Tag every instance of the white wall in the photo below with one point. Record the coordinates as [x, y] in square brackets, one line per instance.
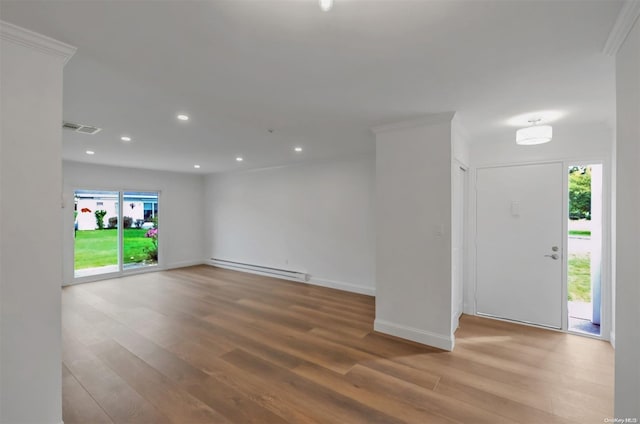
[413, 224]
[181, 209]
[314, 217]
[30, 258]
[627, 379]
[577, 144]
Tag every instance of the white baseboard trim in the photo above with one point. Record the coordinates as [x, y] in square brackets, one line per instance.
[612, 339]
[353, 288]
[415, 334]
[184, 264]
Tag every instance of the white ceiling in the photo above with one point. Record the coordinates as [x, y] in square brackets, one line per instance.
[319, 80]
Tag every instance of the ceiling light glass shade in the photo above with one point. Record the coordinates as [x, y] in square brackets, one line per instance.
[537, 134]
[326, 5]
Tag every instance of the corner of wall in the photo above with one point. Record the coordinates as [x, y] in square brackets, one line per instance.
[440, 341]
[459, 142]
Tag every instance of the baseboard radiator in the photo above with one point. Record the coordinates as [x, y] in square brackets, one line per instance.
[262, 270]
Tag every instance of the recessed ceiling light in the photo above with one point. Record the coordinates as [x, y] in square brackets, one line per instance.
[125, 138]
[90, 152]
[183, 117]
[196, 166]
[239, 159]
[298, 149]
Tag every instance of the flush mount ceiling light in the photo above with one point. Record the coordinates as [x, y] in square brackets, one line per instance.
[239, 159]
[548, 116]
[125, 138]
[183, 117]
[196, 166]
[90, 152]
[298, 149]
[326, 5]
[534, 134]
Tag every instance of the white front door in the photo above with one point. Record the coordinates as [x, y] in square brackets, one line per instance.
[519, 243]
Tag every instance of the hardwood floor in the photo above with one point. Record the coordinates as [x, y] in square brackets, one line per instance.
[208, 345]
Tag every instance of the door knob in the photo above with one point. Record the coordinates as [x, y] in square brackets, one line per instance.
[554, 256]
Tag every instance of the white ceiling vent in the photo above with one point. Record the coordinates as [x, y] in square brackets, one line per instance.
[85, 129]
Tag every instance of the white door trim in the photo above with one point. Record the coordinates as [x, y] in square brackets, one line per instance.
[465, 233]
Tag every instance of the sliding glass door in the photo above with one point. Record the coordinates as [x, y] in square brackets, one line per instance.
[97, 243]
[114, 231]
[140, 229]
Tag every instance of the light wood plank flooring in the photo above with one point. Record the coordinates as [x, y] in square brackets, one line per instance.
[208, 345]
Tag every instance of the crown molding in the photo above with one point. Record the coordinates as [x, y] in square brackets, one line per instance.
[415, 123]
[628, 15]
[33, 40]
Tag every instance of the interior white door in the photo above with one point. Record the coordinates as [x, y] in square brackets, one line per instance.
[519, 243]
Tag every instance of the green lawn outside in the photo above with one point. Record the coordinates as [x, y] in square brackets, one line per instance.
[579, 278]
[580, 233]
[96, 248]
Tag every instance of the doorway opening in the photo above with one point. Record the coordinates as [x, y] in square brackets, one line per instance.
[584, 249]
[114, 231]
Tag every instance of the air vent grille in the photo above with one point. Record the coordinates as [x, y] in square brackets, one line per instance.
[84, 129]
[70, 126]
[88, 130]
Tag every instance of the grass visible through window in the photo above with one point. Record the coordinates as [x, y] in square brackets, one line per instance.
[99, 248]
[580, 233]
